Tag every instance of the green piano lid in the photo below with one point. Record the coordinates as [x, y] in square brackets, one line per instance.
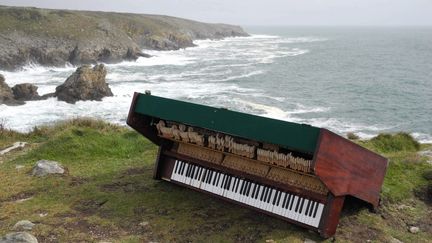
[299, 137]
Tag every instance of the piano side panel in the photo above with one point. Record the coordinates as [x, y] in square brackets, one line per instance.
[141, 123]
[330, 217]
[349, 169]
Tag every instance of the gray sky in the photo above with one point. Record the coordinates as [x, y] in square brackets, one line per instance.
[263, 12]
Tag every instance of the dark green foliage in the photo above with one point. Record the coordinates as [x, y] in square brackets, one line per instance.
[395, 143]
[352, 136]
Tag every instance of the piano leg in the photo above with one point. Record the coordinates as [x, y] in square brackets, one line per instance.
[330, 217]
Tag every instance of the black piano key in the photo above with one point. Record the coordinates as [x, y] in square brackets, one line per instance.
[275, 197]
[226, 182]
[301, 205]
[176, 166]
[182, 168]
[188, 170]
[311, 210]
[209, 173]
[218, 179]
[285, 200]
[279, 199]
[215, 178]
[237, 185]
[248, 188]
[297, 203]
[307, 207]
[204, 176]
[263, 193]
[242, 187]
[198, 174]
[267, 194]
[230, 182]
[315, 210]
[257, 191]
[192, 172]
[223, 181]
[291, 202]
[253, 190]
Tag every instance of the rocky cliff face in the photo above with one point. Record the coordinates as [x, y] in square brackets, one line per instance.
[56, 37]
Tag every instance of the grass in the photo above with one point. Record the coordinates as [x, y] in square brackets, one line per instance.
[108, 194]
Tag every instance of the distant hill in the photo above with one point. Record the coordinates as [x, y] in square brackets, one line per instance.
[55, 37]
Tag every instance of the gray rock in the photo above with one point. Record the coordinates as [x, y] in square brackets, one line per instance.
[85, 83]
[6, 94]
[45, 167]
[414, 229]
[23, 225]
[394, 240]
[25, 92]
[309, 241]
[18, 237]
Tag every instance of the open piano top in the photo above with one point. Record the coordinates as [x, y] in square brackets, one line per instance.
[295, 172]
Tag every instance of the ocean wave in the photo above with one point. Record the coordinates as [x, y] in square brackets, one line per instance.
[422, 137]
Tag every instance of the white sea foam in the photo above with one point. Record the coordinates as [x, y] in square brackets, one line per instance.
[422, 137]
[217, 73]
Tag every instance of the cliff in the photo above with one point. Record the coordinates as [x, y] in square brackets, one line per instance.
[55, 37]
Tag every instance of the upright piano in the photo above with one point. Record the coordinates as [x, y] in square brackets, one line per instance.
[295, 172]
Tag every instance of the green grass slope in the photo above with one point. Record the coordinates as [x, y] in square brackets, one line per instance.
[108, 194]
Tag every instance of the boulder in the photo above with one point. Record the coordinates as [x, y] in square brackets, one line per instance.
[23, 225]
[18, 237]
[25, 92]
[6, 94]
[45, 167]
[414, 229]
[85, 83]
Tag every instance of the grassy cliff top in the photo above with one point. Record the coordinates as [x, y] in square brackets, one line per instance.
[82, 24]
[108, 194]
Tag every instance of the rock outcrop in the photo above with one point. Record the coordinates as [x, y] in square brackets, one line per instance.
[23, 225]
[18, 237]
[25, 92]
[46, 167]
[85, 83]
[6, 94]
[56, 37]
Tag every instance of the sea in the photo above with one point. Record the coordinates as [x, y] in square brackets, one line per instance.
[365, 80]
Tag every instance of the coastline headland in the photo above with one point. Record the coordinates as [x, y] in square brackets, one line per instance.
[55, 37]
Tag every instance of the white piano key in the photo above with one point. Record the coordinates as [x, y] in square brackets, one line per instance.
[302, 217]
[317, 218]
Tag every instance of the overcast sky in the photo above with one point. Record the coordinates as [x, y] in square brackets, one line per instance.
[263, 12]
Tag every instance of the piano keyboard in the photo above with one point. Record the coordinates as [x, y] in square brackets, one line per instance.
[266, 198]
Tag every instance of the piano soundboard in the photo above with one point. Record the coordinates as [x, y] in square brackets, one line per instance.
[295, 172]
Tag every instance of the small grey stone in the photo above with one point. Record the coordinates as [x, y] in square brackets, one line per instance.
[309, 241]
[144, 224]
[18, 237]
[45, 167]
[394, 240]
[23, 225]
[414, 229]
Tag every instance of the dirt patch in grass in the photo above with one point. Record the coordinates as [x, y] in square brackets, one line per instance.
[359, 232]
[21, 196]
[125, 186]
[89, 207]
[136, 171]
[424, 194]
[77, 181]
